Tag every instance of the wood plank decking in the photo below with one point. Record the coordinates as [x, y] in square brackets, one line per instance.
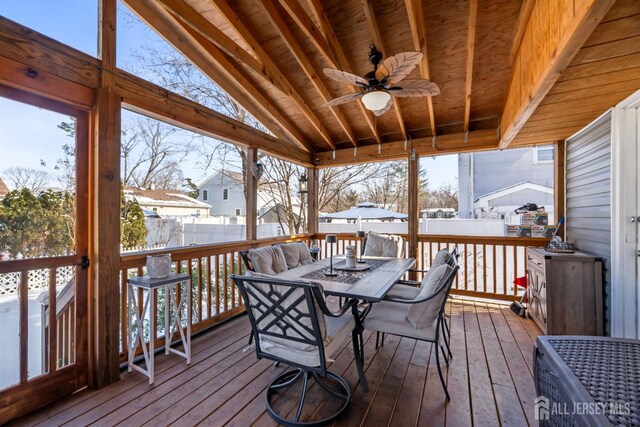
[490, 381]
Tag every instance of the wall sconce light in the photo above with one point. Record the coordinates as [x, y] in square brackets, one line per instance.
[303, 183]
[257, 170]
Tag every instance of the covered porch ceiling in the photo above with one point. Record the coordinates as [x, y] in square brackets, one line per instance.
[511, 72]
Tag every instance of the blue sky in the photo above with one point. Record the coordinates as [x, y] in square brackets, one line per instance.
[30, 134]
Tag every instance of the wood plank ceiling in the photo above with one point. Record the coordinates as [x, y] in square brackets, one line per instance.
[268, 55]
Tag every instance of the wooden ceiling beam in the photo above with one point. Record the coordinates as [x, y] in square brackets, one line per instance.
[480, 140]
[298, 14]
[201, 24]
[471, 42]
[377, 40]
[151, 100]
[273, 11]
[552, 37]
[213, 62]
[265, 58]
[419, 37]
[523, 20]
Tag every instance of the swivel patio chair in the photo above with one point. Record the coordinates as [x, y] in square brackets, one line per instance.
[387, 245]
[420, 317]
[291, 324]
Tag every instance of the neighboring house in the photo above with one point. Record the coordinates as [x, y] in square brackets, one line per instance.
[167, 203]
[3, 189]
[492, 184]
[224, 192]
[438, 212]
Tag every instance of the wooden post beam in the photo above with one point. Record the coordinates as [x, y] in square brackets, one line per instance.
[419, 37]
[252, 194]
[105, 247]
[312, 200]
[555, 32]
[413, 225]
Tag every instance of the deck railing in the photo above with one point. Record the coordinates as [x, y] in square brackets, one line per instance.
[488, 265]
[214, 298]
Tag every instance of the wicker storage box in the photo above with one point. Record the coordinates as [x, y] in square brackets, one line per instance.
[587, 381]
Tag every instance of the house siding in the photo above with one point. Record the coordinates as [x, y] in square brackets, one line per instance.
[219, 207]
[485, 172]
[588, 193]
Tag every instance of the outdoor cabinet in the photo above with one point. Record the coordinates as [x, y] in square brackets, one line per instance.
[564, 292]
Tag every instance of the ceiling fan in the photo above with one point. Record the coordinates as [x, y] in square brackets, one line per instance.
[381, 85]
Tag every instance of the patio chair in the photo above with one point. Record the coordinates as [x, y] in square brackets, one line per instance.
[387, 245]
[409, 289]
[292, 324]
[420, 317]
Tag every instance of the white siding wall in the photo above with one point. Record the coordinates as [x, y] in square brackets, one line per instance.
[588, 193]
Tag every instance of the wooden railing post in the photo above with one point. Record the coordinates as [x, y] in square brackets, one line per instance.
[414, 192]
[252, 194]
[312, 200]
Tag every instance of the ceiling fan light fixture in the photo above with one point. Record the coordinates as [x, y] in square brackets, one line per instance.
[376, 100]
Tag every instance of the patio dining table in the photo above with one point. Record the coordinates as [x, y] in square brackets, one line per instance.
[366, 285]
[369, 284]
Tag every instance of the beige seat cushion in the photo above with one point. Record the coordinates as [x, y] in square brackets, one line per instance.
[268, 260]
[403, 292]
[386, 245]
[424, 314]
[391, 318]
[296, 254]
[338, 329]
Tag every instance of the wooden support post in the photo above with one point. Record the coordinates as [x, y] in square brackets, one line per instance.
[414, 193]
[559, 190]
[252, 194]
[105, 230]
[312, 200]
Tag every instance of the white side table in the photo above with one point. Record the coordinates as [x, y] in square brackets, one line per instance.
[170, 285]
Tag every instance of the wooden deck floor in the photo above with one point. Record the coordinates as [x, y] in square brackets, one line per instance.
[490, 381]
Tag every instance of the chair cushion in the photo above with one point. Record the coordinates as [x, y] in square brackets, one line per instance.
[424, 314]
[390, 317]
[386, 245]
[338, 329]
[403, 292]
[442, 257]
[296, 254]
[268, 260]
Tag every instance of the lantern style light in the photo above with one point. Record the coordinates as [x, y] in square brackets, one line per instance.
[303, 183]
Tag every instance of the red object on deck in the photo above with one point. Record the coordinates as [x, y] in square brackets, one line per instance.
[521, 281]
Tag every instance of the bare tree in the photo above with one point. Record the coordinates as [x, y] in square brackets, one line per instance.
[35, 180]
[151, 156]
[337, 185]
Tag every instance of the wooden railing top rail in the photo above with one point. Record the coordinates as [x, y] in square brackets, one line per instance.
[451, 238]
[134, 259]
[38, 263]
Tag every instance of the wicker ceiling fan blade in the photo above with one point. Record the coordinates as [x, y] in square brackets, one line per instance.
[399, 66]
[421, 84]
[344, 77]
[343, 99]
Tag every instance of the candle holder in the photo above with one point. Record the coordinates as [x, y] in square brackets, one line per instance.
[361, 235]
[330, 240]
